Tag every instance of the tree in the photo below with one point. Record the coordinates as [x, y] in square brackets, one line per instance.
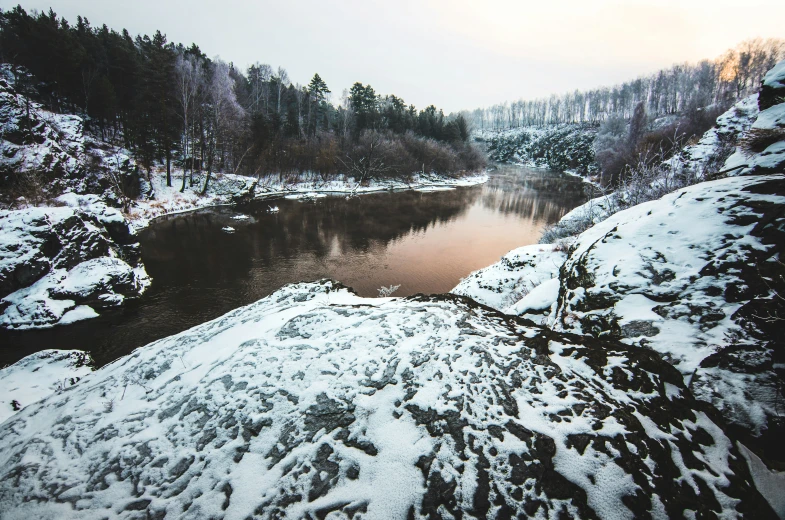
[317, 91]
[188, 83]
[225, 115]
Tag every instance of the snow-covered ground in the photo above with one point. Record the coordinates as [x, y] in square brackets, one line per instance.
[316, 403]
[38, 376]
[694, 276]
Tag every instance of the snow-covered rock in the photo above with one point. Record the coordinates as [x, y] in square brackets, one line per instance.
[315, 403]
[45, 142]
[762, 148]
[38, 376]
[772, 89]
[708, 155]
[519, 272]
[60, 264]
[698, 277]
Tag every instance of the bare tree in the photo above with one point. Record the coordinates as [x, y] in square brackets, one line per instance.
[282, 81]
[225, 114]
[189, 74]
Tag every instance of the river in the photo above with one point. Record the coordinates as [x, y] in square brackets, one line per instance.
[424, 241]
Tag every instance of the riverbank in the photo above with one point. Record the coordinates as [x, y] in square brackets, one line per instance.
[225, 189]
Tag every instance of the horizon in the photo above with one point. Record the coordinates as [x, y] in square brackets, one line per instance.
[505, 67]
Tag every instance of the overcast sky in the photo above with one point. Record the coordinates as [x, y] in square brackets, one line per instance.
[455, 54]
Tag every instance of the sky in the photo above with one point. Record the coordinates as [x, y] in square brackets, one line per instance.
[455, 54]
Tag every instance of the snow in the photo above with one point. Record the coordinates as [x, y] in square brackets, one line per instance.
[770, 483]
[52, 300]
[315, 398]
[39, 375]
[59, 142]
[729, 126]
[503, 284]
[658, 251]
[776, 76]
[78, 313]
[540, 298]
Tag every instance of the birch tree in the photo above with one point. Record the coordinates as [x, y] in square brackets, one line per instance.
[225, 115]
[189, 78]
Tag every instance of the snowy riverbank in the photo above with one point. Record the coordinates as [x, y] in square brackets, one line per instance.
[225, 189]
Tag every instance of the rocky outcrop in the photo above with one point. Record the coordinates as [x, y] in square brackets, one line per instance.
[762, 148]
[698, 277]
[57, 260]
[772, 89]
[314, 402]
[505, 283]
[566, 147]
[44, 153]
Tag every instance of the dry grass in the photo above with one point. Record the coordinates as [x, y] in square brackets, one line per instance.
[758, 139]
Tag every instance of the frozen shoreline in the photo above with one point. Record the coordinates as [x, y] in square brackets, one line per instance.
[225, 188]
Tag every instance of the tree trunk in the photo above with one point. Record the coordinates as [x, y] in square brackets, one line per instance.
[168, 167]
[209, 171]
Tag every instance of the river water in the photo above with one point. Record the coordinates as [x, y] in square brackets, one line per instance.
[423, 241]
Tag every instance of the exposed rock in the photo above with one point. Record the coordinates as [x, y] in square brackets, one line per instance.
[315, 402]
[54, 260]
[762, 148]
[696, 276]
[772, 89]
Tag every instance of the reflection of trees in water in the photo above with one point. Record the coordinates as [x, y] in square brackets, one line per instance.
[193, 247]
[367, 221]
[532, 194]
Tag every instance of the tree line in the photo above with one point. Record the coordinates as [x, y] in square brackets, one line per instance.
[172, 105]
[678, 89]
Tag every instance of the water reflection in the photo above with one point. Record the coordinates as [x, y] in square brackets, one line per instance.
[425, 241]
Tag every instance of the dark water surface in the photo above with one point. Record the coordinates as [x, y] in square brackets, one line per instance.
[424, 241]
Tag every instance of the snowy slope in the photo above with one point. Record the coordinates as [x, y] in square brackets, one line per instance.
[695, 277]
[47, 141]
[315, 403]
[38, 376]
[565, 147]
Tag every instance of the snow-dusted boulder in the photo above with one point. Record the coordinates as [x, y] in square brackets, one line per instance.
[698, 277]
[60, 264]
[506, 282]
[315, 403]
[38, 376]
[772, 89]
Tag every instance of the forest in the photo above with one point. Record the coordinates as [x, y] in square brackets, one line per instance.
[679, 89]
[171, 105]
